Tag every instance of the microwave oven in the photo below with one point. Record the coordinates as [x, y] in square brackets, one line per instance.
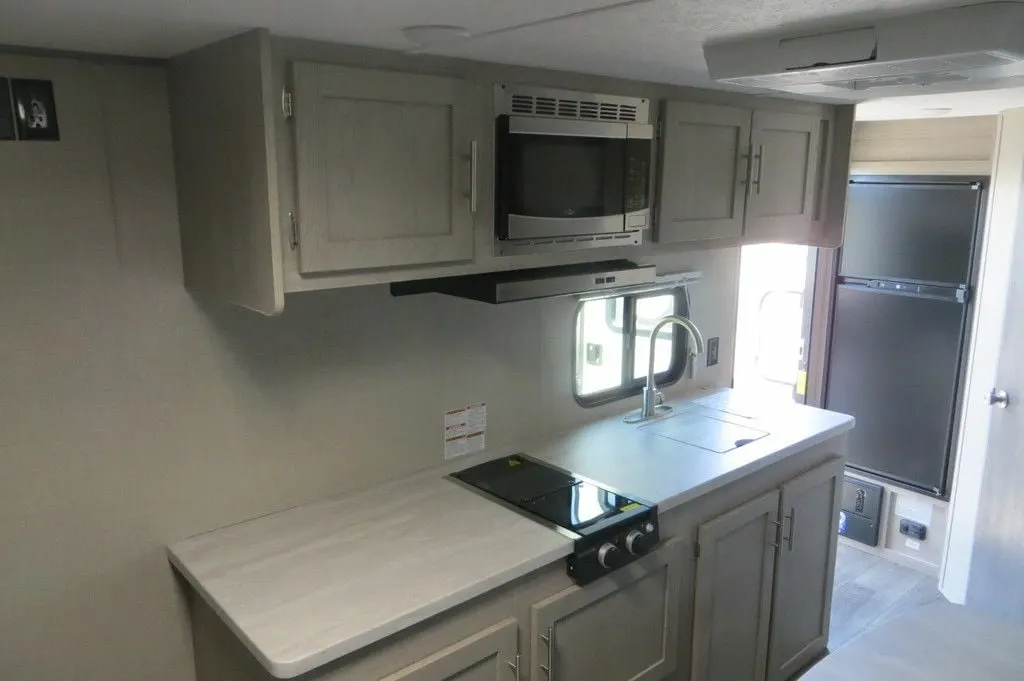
[573, 170]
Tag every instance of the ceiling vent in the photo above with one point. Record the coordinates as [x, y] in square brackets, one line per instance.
[967, 48]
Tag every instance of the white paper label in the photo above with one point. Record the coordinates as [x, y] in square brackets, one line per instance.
[912, 509]
[465, 430]
[913, 545]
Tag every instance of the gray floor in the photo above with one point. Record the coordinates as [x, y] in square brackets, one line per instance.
[870, 591]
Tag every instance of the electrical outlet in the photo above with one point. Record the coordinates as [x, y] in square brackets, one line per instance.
[712, 351]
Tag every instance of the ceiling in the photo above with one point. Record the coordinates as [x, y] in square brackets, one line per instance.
[654, 40]
[979, 103]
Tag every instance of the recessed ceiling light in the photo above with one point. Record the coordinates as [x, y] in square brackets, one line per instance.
[937, 110]
[428, 36]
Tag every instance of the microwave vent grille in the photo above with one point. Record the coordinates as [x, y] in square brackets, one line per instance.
[573, 108]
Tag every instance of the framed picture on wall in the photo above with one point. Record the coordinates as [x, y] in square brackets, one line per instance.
[35, 109]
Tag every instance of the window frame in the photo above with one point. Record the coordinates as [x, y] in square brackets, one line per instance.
[631, 387]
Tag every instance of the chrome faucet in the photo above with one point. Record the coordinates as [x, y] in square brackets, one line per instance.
[651, 400]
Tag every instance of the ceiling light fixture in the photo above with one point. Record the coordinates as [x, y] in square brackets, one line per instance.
[937, 110]
[429, 36]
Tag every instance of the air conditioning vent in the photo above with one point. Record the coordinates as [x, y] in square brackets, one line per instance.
[618, 109]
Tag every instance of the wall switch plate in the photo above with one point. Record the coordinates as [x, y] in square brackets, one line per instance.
[712, 351]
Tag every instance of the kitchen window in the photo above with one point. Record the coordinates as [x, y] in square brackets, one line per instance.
[612, 345]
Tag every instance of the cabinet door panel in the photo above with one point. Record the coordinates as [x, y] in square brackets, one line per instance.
[805, 570]
[483, 657]
[620, 628]
[732, 603]
[784, 178]
[383, 169]
[704, 163]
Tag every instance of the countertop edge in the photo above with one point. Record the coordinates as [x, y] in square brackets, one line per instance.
[754, 466]
[289, 669]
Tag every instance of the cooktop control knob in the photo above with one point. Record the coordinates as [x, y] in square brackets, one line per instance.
[609, 556]
[639, 543]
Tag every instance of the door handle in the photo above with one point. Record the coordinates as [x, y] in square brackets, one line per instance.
[549, 639]
[759, 157]
[474, 162]
[999, 398]
[514, 666]
[792, 528]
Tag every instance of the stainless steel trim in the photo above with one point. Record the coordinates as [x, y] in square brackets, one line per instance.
[525, 125]
[503, 94]
[576, 283]
[567, 244]
[474, 162]
[549, 639]
[639, 131]
[528, 227]
[759, 156]
[663, 282]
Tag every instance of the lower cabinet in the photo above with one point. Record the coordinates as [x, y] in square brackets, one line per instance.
[620, 628]
[732, 604]
[804, 571]
[491, 655]
[764, 582]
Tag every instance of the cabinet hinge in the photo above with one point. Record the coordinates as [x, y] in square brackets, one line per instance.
[287, 103]
[293, 234]
[661, 129]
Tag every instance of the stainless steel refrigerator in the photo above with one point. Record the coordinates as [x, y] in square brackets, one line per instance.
[900, 323]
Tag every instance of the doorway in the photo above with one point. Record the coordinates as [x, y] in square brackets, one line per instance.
[773, 322]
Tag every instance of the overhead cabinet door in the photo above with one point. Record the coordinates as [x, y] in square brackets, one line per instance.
[704, 164]
[620, 628]
[784, 176]
[386, 168]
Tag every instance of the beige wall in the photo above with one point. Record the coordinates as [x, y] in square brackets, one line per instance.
[936, 146]
[132, 415]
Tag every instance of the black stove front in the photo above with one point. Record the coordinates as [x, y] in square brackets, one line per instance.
[610, 530]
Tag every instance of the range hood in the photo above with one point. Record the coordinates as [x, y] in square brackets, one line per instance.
[976, 47]
[610, 277]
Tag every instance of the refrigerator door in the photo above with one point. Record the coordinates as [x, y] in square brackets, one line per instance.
[911, 230]
[894, 365]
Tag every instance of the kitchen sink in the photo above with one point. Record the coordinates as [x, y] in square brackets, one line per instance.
[707, 429]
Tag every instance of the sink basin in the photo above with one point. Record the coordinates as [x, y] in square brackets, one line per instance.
[705, 430]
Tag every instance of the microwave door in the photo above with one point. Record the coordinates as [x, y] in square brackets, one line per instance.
[563, 178]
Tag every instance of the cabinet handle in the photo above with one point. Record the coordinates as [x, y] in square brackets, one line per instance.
[744, 159]
[474, 162]
[514, 666]
[759, 156]
[792, 528]
[549, 668]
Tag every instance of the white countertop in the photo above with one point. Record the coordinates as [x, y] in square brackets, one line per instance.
[306, 586]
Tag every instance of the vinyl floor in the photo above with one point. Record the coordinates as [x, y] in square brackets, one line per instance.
[870, 591]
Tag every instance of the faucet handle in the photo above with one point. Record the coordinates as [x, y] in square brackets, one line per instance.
[659, 398]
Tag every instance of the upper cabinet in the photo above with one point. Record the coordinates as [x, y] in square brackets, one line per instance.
[750, 176]
[302, 165]
[703, 173]
[387, 168]
[784, 186]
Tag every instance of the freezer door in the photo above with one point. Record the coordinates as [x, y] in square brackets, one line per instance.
[913, 231]
[895, 366]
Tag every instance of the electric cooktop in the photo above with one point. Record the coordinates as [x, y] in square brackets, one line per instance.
[610, 529]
